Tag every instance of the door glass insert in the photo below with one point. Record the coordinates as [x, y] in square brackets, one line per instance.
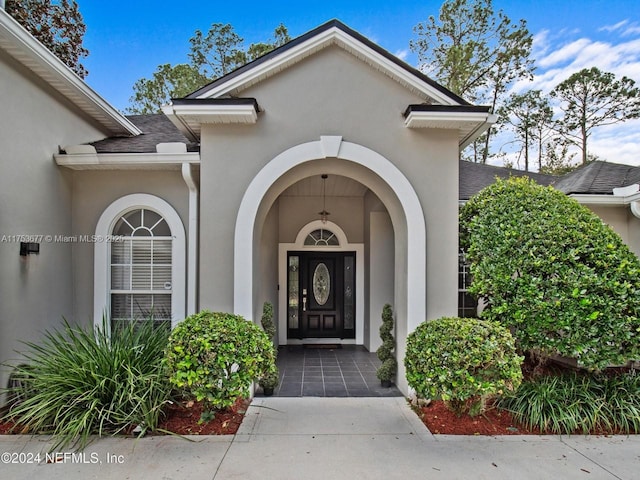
[349, 290]
[294, 288]
[321, 284]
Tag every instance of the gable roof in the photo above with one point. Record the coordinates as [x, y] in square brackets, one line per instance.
[18, 43]
[598, 178]
[331, 33]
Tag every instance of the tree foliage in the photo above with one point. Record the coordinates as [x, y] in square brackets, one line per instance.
[591, 98]
[530, 116]
[166, 83]
[474, 52]
[212, 54]
[59, 26]
[553, 272]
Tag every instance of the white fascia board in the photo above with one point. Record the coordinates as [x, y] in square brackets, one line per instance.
[329, 37]
[216, 113]
[31, 53]
[446, 119]
[469, 124]
[602, 199]
[599, 199]
[124, 161]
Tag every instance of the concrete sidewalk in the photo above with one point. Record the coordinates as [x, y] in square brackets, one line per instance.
[330, 438]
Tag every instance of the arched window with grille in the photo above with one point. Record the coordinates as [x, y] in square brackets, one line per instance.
[322, 237]
[141, 285]
[140, 270]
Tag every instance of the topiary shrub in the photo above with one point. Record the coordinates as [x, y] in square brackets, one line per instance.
[387, 370]
[553, 272]
[463, 361]
[215, 357]
[271, 379]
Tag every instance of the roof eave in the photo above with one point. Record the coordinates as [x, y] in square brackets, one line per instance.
[469, 121]
[331, 33]
[18, 43]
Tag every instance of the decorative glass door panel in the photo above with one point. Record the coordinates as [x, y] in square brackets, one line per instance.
[321, 293]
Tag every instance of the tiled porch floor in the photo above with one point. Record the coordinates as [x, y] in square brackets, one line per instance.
[349, 371]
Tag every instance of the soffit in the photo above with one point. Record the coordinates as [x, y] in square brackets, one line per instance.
[336, 186]
[18, 43]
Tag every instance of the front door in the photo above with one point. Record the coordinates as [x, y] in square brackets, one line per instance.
[321, 293]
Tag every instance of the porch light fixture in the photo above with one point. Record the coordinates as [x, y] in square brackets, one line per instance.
[324, 215]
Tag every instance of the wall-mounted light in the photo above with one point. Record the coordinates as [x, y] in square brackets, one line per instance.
[29, 248]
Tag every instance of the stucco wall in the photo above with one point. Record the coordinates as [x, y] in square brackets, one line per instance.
[623, 222]
[331, 93]
[93, 192]
[35, 199]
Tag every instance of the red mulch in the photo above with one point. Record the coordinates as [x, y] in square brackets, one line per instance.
[440, 420]
[182, 418]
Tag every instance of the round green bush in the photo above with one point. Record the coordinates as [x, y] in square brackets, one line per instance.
[553, 272]
[215, 357]
[462, 361]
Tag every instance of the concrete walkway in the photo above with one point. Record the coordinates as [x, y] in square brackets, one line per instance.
[329, 439]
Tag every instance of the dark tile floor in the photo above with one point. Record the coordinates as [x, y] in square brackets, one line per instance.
[349, 371]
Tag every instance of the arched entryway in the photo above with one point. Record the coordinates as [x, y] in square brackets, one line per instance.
[334, 156]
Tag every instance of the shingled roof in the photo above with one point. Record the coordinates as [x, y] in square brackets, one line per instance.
[475, 176]
[598, 178]
[593, 178]
[156, 128]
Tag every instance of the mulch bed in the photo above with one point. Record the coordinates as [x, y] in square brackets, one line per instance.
[181, 418]
[440, 420]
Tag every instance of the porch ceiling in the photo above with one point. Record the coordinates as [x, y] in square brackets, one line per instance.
[336, 186]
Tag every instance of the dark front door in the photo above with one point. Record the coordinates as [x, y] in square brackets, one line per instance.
[321, 294]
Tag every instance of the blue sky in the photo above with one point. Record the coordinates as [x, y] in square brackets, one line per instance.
[128, 39]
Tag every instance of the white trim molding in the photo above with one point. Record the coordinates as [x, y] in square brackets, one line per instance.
[101, 260]
[87, 160]
[345, 246]
[18, 43]
[410, 218]
[468, 124]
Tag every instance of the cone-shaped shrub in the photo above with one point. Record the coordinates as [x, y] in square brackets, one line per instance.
[387, 370]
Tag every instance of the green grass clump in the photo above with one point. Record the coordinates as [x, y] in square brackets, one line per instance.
[80, 382]
[578, 403]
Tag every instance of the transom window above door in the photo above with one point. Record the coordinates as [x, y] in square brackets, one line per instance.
[321, 237]
[141, 268]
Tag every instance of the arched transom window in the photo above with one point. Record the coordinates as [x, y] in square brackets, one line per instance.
[321, 237]
[141, 268]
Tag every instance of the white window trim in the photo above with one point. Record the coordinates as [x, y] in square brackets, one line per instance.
[101, 260]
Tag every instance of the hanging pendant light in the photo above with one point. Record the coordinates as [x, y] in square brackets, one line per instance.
[324, 215]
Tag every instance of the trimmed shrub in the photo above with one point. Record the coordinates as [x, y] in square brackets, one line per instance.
[463, 361]
[553, 272]
[80, 382]
[387, 370]
[272, 377]
[572, 403]
[215, 357]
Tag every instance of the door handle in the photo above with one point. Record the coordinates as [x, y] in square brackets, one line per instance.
[304, 304]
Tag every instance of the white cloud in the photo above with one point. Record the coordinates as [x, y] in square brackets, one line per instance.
[402, 54]
[560, 54]
[613, 28]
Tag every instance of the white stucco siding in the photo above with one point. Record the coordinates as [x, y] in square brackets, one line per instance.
[93, 192]
[35, 291]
